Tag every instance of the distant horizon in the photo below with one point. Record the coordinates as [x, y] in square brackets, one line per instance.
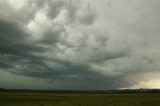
[80, 89]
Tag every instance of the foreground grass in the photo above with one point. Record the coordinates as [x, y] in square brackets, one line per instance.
[39, 99]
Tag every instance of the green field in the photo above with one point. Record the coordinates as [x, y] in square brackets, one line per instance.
[40, 99]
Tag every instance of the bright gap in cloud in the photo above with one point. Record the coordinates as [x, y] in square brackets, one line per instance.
[154, 83]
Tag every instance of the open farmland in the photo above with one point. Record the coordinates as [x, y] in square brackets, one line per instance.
[77, 99]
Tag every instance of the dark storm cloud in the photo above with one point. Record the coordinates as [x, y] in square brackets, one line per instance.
[20, 55]
[78, 44]
[16, 48]
[15, 41]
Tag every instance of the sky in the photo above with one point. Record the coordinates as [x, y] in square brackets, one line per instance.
[79, 44]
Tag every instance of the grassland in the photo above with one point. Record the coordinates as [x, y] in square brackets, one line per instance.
[69, 99]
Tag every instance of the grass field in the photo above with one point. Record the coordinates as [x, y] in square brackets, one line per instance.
[40, 99]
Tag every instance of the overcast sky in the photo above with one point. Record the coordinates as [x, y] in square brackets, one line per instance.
[79, 44]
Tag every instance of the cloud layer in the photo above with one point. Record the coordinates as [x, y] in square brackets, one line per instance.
[71, 44]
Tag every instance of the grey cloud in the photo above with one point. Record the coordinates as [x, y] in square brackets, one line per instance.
[53, 36]
[22, 56]
[74, 12]
[16, 48]
[88, 17]
[54, 7]
[21, 15]
[14, 40]
[65, 42]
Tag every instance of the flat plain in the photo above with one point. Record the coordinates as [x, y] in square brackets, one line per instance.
[78, 99]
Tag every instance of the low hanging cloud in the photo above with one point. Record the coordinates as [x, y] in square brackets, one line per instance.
[79, 44]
